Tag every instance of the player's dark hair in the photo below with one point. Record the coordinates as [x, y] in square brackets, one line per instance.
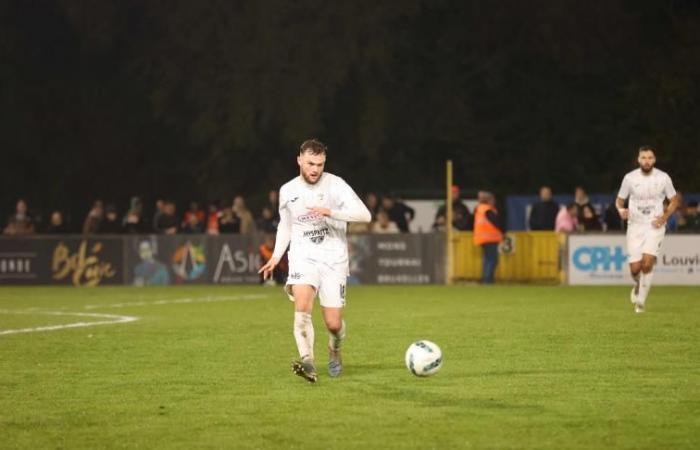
[313, 146]
[647, 148]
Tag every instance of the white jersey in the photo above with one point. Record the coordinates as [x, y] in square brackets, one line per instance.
[315, 237]
[646, 194]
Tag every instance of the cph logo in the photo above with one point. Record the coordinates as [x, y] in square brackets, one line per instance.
[599, 258]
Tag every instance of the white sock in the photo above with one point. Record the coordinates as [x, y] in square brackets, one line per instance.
[335, 339]
[304, 335]
[644, 286]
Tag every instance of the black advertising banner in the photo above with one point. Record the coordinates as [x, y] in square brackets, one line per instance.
[86, 262]
[202, 259]
[235, 259]
[396, 258]
[61, 260]
[21, 262]
[192, 259]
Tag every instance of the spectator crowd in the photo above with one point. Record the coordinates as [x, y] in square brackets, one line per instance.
[581, 215]
[389, 215]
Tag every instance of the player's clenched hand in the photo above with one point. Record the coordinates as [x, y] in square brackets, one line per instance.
[658, 222]
[268, 267]
[319, 211]
[624, 213]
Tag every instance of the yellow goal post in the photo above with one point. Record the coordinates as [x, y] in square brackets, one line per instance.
[449, 232]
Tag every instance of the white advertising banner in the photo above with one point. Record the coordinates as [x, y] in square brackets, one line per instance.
[603, 259]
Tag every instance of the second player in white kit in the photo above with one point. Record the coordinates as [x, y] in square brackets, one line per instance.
[314, 210]
[647, 188]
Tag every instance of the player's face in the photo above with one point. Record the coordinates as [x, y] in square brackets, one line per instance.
[646, 161]
[311, 166]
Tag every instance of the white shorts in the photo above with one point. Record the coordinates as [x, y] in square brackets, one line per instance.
[328, 281]
[644, 239]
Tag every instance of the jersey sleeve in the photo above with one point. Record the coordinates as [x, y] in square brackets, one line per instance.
[624, 191]
[350, 208]
[669, 190]
[284, 227]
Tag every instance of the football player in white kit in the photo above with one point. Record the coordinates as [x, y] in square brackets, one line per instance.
[646, 187]
[314, 210]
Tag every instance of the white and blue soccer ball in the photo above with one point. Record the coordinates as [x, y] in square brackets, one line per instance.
[423, 358]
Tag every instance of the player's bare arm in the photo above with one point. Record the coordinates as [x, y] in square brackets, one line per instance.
[620, 205]
[661, 220]
[268, 268]
[281, 242]
[319, 211]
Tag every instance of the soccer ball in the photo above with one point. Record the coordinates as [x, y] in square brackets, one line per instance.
[423, 358]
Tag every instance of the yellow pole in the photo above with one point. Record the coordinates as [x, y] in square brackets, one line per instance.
[450, 254]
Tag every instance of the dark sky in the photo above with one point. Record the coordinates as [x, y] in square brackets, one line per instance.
[207, 99]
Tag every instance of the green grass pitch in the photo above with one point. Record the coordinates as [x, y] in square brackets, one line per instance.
[525, 367]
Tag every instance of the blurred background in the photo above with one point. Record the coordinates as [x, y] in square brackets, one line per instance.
[205, 100]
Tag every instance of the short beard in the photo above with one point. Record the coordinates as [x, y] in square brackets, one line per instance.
[646, 170]
[303, 175]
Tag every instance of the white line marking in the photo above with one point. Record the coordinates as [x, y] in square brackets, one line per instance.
[174, 301]
[113, 319]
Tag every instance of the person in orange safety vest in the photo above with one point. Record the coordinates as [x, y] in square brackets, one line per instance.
[488, 233]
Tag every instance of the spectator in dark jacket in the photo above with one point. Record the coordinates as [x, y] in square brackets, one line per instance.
[57, 225]
[590, 221]
[462, 219]
[544, 212]
[267, 223]
[611, 218]
[133, 221]
[168, 223]
[581, 200]
[111, 223]
[398, 212]
[690, 218]
[229, 222]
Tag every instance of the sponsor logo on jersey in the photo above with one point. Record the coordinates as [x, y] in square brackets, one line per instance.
[295, 276]
[317, 235]
[308, 218]
[294, 199]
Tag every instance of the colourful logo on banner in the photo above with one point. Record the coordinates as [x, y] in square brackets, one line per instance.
[593, 258]
[83, 267]
[189, 262]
